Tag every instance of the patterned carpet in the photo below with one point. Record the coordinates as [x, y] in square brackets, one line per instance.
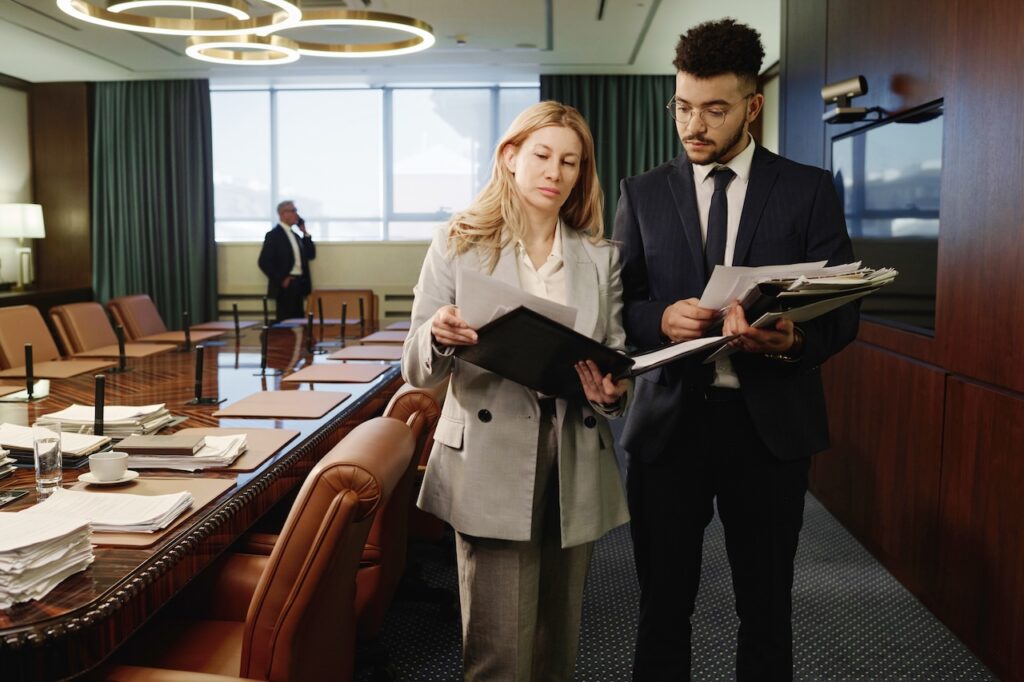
[852, 620]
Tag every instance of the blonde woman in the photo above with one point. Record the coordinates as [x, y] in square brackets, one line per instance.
[528, 482]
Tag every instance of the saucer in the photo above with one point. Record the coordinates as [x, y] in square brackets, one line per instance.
[129, 475]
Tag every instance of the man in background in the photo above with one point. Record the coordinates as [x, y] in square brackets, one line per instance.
[284, 259]
[738, 434]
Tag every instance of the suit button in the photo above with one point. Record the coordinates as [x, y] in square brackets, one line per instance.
[484, 416]
[590, 422]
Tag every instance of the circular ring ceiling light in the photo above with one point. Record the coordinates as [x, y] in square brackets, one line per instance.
[422, 33]
[233, 8]
[116, 15]
[243, 50]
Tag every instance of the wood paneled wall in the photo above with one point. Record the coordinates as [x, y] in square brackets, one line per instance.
[927, 464]
[60, 177]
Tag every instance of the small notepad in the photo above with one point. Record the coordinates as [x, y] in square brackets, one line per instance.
[392, 352]
[337, 373]
[285, 405]
[385, 337]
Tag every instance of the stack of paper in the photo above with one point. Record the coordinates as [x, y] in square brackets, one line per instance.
[37, 552]
[75, 447]
[6, 464]
[812, 285]
[118, 420]
[219, 451]
[115, 512]
[729, 283]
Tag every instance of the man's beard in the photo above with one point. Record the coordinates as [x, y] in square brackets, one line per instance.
[721, 151]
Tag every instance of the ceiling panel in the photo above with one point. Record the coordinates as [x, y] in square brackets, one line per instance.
[479, 41]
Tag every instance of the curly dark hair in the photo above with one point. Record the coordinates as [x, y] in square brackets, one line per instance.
[716, 47]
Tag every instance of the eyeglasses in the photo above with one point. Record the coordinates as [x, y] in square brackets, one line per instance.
[713, 117]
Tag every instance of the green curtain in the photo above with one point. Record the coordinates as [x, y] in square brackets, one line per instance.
[632, 131]
[152, 196]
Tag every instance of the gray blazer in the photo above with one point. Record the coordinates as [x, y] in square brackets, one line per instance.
[482, 467]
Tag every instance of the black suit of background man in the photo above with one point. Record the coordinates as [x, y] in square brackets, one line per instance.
[693, 444]
[277, 261]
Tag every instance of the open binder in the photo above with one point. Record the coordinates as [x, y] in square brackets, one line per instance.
[535, 351]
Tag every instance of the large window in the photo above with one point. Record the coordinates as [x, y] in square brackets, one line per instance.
[365, 164]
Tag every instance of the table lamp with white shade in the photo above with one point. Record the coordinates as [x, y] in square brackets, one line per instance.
[22, 221]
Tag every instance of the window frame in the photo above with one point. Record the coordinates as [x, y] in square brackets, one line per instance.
[387, 214]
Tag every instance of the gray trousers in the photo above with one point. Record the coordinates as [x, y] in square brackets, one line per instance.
[521, 601]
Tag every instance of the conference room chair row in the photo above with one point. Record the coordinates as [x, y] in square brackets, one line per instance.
[86, 327]
[80, 327]
[290, 605]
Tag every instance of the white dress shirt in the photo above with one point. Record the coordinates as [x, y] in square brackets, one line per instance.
[294, 241]
[735, 193]
[547, 281]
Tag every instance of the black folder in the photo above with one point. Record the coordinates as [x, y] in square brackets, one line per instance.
[537, 352]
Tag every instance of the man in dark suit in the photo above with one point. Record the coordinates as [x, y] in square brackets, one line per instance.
[284, 259]
[739, 432]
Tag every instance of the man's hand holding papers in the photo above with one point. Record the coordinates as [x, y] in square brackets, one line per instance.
[770, 301]
[781, 339]
[685, 320]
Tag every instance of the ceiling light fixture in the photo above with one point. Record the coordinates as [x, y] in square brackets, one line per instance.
[422, 33]
[243, 50]
[286, 14]
[234, 8]
[228, 43]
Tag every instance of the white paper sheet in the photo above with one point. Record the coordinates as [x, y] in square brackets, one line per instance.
[729, 283]
[481, 298]
[648, 359]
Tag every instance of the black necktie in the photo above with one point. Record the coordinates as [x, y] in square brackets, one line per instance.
[718, 217]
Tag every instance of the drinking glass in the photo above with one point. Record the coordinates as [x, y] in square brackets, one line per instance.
[46, 447]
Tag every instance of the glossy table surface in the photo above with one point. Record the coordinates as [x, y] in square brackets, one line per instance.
[89, 614]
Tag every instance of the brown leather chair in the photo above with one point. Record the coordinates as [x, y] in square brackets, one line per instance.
[138, 315]
[21, 324]
[290, 615]
[383, 558]
[386, 547]
[82, 326]
[422, 525]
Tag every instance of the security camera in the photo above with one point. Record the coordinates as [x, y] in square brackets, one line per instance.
[840, 93]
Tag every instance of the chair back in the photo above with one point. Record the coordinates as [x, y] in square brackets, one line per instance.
[138, 315]
[333, 298]
[386, 546]
[82, 327]
[21, 324]
[301, 621]
[426, 401]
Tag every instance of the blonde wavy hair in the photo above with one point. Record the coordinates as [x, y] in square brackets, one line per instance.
[495, 217]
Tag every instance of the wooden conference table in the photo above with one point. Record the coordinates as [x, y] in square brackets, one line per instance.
[86, 617]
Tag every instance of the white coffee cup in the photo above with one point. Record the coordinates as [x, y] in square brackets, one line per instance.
[108, 466]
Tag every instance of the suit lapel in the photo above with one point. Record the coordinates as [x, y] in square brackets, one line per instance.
[680, 184]
[762, 177]
[581, 284]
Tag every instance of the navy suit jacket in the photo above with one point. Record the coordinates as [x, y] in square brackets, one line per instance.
[276, 259]
[791, 214]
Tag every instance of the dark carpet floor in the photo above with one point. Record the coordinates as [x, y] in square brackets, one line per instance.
[852, 620]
